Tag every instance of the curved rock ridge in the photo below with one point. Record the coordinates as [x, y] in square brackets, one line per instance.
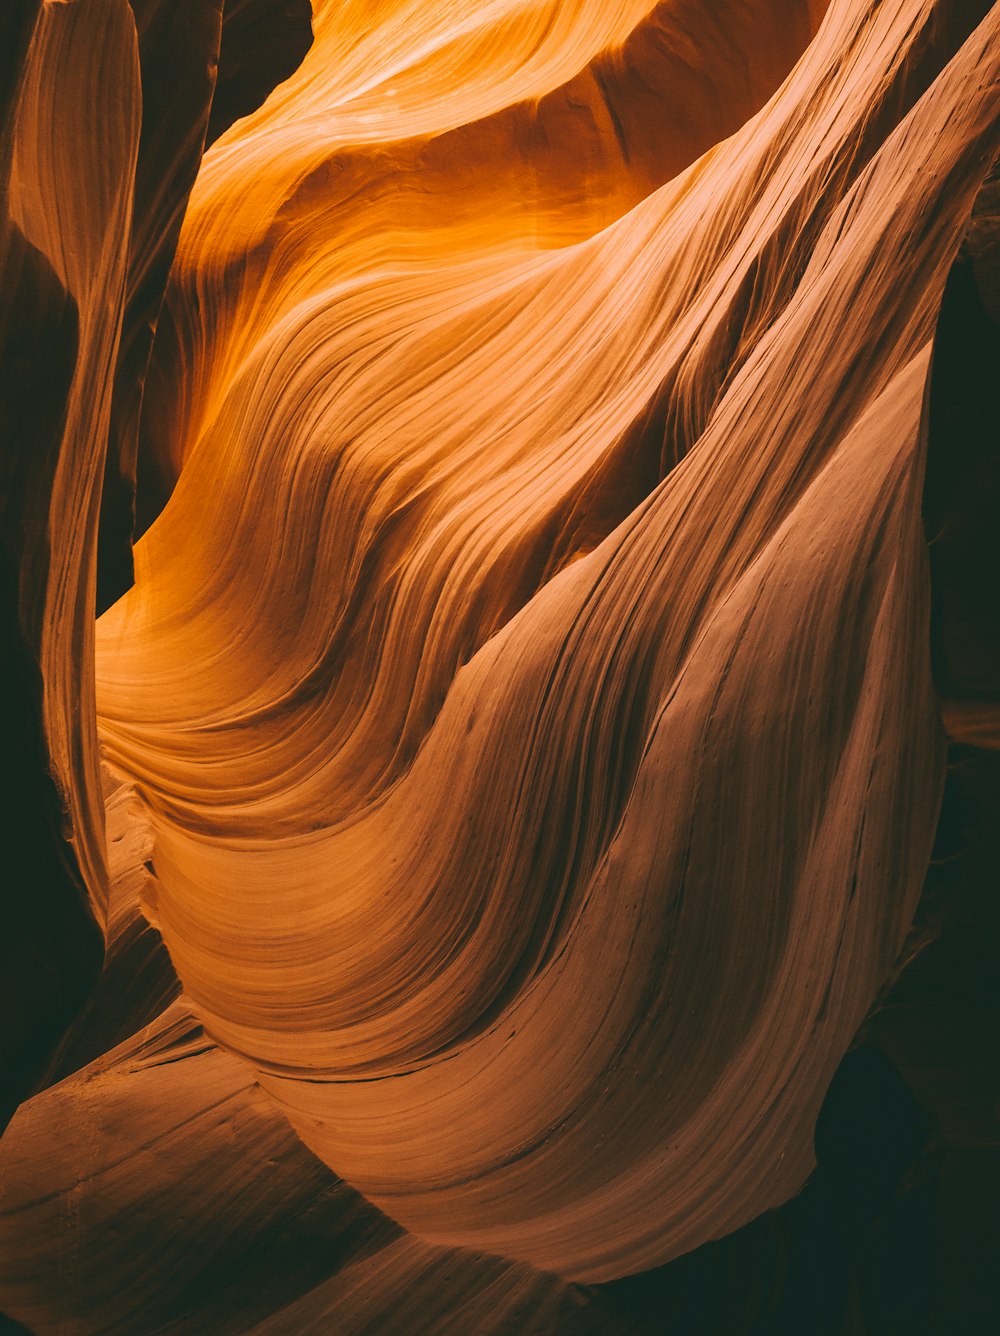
[528, 679]
[246, 1231]
[166, 1192]
[313, 192]
[201, 67]
[570, 447]
[540, 771]
[62, 273]
[87, 253]
[105, 105]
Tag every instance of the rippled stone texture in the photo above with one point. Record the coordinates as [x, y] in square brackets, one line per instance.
[523, 739]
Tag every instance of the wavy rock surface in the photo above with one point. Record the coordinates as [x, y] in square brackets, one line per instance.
[471, 922]
[374, 157]
[202, 66]
[64, 273]
[524, 729]
[250, 1232]
[91, 208]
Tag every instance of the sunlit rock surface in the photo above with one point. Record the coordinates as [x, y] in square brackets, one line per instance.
[559, 440]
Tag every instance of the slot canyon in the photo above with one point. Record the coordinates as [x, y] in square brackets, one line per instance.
[500, 588]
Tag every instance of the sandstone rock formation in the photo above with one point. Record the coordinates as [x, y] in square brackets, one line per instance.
[558, 440]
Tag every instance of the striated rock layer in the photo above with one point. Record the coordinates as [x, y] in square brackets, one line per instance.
[479, 802]
[63, 271]
[523, 733]
[92, 202]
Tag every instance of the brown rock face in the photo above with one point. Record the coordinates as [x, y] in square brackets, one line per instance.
[61, 274]
[202, 66]
[92, 206]
[498, 860]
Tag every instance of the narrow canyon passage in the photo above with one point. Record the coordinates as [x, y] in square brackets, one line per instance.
[533, 466]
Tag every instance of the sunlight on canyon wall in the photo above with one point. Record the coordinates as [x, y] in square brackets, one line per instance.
[521, 732]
